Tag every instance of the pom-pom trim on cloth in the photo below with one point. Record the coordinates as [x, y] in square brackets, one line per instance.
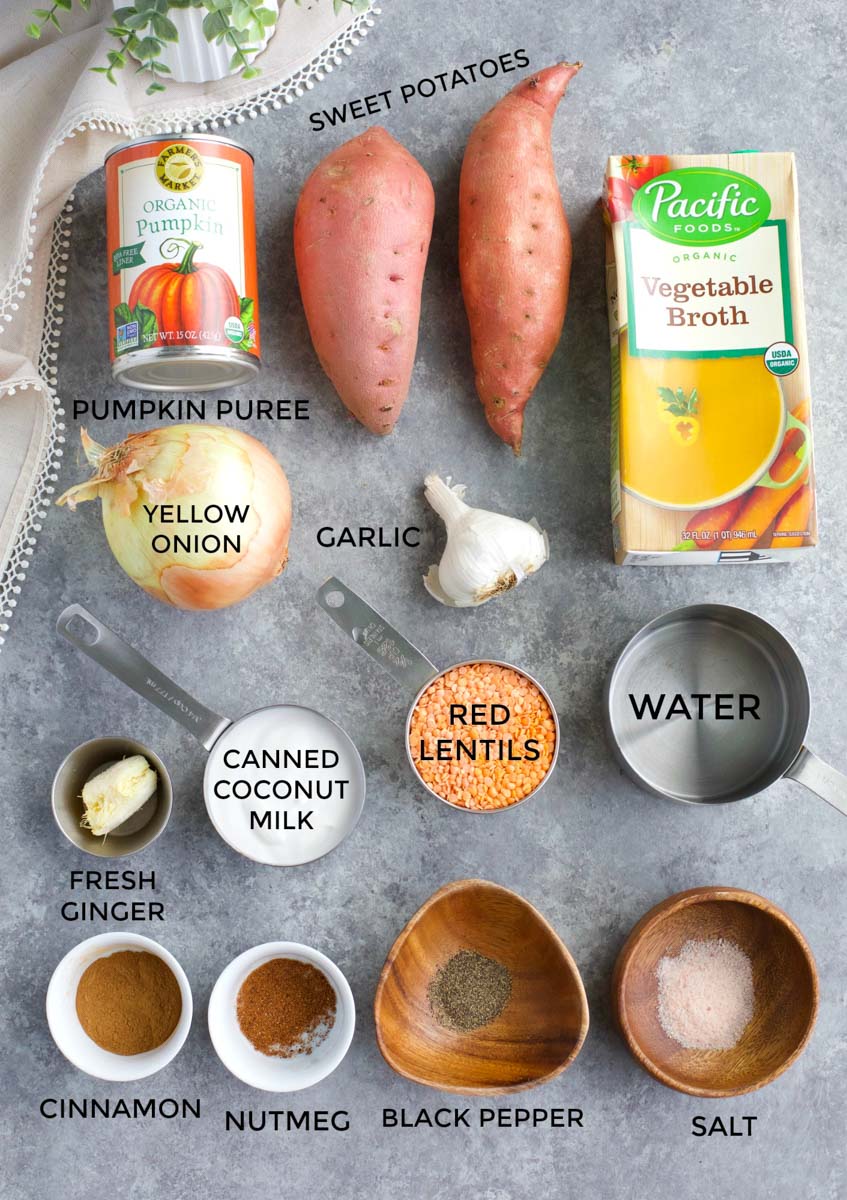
[208, 119]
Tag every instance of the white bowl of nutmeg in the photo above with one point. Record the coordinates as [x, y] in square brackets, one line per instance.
[281, 1016]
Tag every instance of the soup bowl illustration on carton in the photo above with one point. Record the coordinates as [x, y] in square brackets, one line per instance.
[688, 442]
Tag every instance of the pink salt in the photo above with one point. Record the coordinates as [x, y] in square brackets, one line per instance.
[706, 994]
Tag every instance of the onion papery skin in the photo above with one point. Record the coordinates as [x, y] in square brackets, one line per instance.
[195, 465]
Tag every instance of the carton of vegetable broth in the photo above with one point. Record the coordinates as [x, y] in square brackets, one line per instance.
[711, 420]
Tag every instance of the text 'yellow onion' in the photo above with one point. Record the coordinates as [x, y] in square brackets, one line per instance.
[197, 471]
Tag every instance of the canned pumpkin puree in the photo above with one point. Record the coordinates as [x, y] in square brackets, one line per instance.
[181, 243]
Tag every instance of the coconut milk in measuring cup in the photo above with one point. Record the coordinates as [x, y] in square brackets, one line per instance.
[283, 785]
[181, 242]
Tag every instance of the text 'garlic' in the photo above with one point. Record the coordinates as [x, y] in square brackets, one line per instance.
[486, 553]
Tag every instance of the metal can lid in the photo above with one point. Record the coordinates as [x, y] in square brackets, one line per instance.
[167, 135]
[182, 370]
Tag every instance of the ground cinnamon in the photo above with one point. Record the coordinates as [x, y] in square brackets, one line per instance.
[129, 1002]
[286, 1007]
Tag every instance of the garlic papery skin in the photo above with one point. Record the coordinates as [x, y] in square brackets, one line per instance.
[486, 554]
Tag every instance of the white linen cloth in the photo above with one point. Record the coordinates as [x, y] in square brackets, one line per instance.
[58, 119]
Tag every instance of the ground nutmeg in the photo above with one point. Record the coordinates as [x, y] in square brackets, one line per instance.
[286, 1007]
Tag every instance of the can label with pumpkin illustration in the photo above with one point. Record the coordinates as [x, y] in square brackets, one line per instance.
[181, 243]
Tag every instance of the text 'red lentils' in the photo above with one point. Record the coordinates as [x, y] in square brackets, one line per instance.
[482, 736]
[286, 1007]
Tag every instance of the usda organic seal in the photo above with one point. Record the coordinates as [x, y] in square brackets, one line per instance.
[781, 358]
[233, 329]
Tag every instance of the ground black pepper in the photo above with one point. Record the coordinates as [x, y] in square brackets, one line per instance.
[286, 1007]
[469, 991]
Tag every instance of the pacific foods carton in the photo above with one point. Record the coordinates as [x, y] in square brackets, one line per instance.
[711, 422]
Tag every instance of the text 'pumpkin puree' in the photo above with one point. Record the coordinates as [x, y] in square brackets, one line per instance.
[711, 439]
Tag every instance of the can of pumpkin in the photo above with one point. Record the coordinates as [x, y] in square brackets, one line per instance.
[181, 244]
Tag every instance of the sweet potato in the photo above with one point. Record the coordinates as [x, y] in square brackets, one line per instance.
[514, 247]
[361, 235]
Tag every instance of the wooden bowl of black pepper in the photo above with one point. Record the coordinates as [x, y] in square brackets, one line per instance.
[479, 995]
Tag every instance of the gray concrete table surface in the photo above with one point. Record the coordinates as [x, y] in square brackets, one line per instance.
[591, 852]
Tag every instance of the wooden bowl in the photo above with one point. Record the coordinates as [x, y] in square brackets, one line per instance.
[785, 982]
[541, 1029]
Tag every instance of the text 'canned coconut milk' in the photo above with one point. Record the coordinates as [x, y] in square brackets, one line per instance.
[181, 242]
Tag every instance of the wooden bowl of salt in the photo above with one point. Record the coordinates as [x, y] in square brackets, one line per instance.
[468, 932]
[715, 992]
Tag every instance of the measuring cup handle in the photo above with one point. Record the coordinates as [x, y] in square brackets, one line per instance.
[373, 633]
[103, 645]
[819, 777]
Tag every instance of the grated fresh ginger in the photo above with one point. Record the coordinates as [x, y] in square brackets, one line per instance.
[112, 797]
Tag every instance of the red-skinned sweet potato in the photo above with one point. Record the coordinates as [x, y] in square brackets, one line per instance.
[361, 235]
[514, 247]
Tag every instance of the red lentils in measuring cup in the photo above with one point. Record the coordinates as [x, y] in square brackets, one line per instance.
[482, 736]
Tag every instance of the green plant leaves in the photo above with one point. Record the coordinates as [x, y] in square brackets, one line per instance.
[148, 49]
[677, 403]
[148, 327]
[247, 312]
[215, 25]
[143, 29]
[164, 28]
[242, 14]
[134, 20]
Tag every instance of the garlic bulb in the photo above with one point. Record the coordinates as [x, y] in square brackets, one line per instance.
[486, 553]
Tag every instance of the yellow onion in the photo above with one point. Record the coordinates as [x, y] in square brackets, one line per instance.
[194, 467]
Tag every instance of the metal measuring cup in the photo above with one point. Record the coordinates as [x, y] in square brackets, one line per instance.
[708, 649]
[411, 668]
[100, 643]
[84, 763]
